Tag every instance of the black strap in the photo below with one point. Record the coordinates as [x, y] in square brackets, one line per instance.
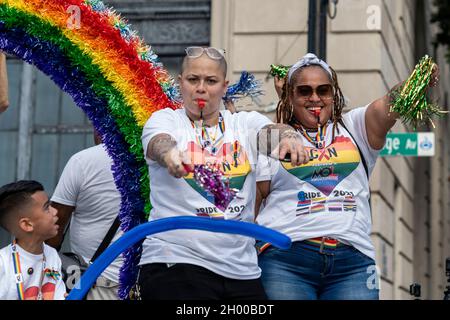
[107, 239]
[364, 164]
[359, 150]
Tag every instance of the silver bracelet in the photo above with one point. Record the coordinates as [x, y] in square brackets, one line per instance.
[291, 133]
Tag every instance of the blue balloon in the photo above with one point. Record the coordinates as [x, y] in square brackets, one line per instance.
[138, 233]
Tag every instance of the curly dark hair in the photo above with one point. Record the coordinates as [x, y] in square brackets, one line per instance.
[285, 109]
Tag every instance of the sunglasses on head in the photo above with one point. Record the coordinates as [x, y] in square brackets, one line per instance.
[324, 91]
[213, 53]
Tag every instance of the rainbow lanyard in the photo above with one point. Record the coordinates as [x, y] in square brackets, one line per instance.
[236, 153]
[18, 272]
[319, 139]
[203, 137]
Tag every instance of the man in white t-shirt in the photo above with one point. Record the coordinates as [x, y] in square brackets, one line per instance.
[87, 196]
[192, 264]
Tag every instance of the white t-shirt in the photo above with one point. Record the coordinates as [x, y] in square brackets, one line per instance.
[53, 287]
[329, 196]
[87, 184]
[232, 256]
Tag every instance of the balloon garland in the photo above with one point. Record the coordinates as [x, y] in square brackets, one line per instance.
[128, 239]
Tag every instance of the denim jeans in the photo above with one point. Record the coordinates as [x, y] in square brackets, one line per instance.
[303, 273]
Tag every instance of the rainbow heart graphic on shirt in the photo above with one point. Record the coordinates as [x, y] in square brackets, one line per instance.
[328, 166]
[231, 159]
[48, 292]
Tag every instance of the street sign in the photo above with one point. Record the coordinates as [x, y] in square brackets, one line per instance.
[418, 144]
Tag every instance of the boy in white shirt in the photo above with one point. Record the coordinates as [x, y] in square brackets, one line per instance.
[29, 269]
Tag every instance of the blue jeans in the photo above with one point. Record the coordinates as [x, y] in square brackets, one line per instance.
[303, 273]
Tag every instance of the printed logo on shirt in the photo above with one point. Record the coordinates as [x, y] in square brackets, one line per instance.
[231, 159]
[328, 166]
[48, 292]
[308, 205]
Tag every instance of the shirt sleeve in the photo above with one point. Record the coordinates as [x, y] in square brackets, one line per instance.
[256, 121]
[355, 121]
[162, 121]
[69, 184]
[265, 168]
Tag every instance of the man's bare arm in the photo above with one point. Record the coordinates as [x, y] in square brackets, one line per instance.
[64, 215]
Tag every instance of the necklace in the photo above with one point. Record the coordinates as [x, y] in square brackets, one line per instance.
[319, 140]
[205, 139]
[18, 272]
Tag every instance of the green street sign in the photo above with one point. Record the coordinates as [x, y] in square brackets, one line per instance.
[418, 144]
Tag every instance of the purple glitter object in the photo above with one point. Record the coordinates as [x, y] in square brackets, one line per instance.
[211, 179]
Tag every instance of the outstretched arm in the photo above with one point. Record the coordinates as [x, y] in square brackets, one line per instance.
[278, 140]
[162, 148]
[379, 120]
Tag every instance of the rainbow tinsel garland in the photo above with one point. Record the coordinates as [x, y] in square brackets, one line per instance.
[116, 79]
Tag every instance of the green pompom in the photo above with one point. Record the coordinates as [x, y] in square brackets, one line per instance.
[279, 70]
[410, 100]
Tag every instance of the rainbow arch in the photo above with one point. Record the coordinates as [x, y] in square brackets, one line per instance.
[115, 78]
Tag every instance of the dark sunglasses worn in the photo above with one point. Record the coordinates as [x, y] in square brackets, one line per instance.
[324, 91]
